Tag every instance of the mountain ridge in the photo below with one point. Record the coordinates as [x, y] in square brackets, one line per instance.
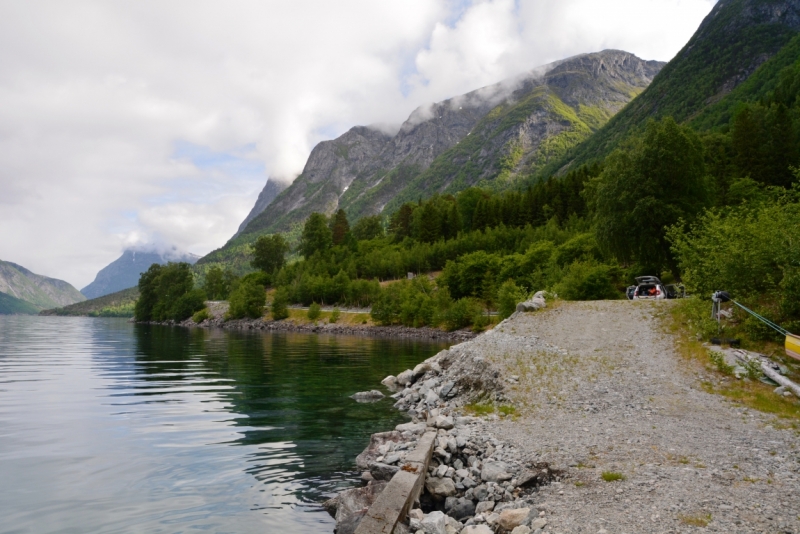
[38, 290]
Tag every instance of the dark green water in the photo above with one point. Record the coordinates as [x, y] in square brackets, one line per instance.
[107, 426]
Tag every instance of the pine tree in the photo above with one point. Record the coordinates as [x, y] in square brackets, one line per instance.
[339, 227]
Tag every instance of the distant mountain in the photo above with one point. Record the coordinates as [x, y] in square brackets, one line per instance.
[37, 290]
[700, 84]
[124, 272]
[271, 190]
[13, 306]
[485, 137]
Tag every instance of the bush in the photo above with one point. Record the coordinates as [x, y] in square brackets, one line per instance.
[461, 314]
[508, 296]
[314, 311]
[188, 304]
[247, 301]
[280, 304]
[335, 315]
[587, 281]
[201, 316]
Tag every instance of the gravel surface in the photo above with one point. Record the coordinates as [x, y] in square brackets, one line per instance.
[600, 388]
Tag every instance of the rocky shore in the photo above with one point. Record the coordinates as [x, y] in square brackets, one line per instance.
[476, 483]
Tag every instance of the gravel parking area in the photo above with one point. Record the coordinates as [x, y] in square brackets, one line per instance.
[600, 388]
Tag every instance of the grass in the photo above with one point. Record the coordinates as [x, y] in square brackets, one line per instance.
[611, 476]
[300, 316]
[481, 408]
[701, 519]
[748, 393]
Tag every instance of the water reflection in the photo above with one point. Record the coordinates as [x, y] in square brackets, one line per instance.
[111, 427]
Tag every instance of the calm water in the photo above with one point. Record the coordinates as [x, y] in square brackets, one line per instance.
[107, 426]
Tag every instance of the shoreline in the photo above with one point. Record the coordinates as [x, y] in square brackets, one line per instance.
[405, 332]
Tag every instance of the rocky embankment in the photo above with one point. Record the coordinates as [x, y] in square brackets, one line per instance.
[476, 483]
[610, 430]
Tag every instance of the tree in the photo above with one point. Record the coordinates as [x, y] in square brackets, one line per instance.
[280, 303]
[218, 283]
[646, 187]
[148, 296]
[508, 296]
[316, 236]
[400, 223]
[369, 227]
[247, 301]
[339, 227]
[269, 253]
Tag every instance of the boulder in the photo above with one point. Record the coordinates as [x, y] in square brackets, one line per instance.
[536, 524]
[421, 369]
[391, 383]
[484, 506]
[510, 519]
[440, 487]
[367, 396]
[371, 453]
[495, 472]
[414, 428]
[443, 421]
[349, 506]
[462, 509]
[476, 529]
[434, 523]
[405, 378]
[381, 471]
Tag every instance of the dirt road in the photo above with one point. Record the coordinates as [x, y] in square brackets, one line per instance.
[601, 388]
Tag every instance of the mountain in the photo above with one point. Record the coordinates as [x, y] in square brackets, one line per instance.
[700, 84]
[271, 190]
[37, 290]
[124, 272]
[486, 137]
[13, 306]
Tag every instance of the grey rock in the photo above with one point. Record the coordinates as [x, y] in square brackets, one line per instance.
[416, 428]
[495, 472]
[476, 529]
[406, 377]
[538, 523]
[440, 487]
[382, 471]
[434, 523]
[391, 383]
[462, 509]
[367, 396]
[371, 453]
[484, 506]
[445, 422]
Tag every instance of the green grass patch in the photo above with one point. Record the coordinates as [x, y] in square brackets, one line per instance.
[696, 520]
[611, 476]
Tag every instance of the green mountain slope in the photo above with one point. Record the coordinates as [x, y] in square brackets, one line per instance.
[40, 291]
[119, 304]
[734, 40]
[14, 306]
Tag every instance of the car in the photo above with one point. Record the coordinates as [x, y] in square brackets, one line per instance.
[651, 288]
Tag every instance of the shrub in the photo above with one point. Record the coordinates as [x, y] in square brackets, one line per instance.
[508, 296]
[188, 304]
[280, 304]
[611, 476]
[460, 314]
[314, 311]
[247, 301]
[587, 281]
[201, 316]
[335, 314]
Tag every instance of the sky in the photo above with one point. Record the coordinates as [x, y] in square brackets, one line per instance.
[158, 122]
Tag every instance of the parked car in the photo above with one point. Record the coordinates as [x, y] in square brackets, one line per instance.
[651, 288]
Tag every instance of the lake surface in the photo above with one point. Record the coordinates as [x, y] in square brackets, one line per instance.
[106, 426]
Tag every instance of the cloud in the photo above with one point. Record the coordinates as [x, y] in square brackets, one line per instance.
[136, 122]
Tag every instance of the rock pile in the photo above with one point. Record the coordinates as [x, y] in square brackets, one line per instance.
[537, 302]
[475, 483]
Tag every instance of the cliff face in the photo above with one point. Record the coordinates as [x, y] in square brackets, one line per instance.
[40, 291]
[484, 137]
[123, 273]
[271, 190]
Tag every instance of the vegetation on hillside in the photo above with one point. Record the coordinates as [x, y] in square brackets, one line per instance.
[10, 305]
[119, 304]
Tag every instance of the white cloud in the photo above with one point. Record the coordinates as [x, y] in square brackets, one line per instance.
[99, 100]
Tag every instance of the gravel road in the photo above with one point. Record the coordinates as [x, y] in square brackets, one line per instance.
[600, 388]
